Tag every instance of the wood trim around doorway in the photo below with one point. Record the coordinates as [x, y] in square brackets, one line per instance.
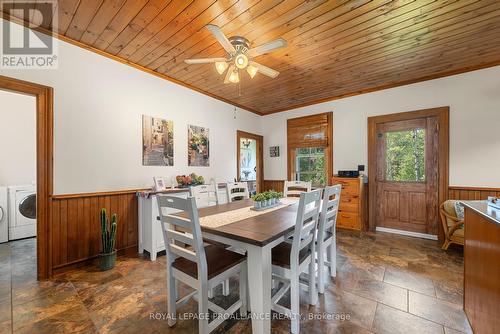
[260, 155]
[443, 116]
[44, 165]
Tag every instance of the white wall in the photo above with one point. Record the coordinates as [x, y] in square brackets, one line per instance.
[17, 139]
[97, 123]
[474, 100]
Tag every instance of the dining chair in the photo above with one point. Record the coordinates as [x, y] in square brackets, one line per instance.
[236, 191]
[295, 188]
[205, 194]
[292, 257]
[327, 236]
[200, 267]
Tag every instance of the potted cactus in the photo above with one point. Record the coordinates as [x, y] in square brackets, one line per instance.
[108, 238]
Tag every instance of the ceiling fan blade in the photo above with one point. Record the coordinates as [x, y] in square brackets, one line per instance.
[228, 74]
[265, 70]
[221, 38]
[203, 60]
[266, 48]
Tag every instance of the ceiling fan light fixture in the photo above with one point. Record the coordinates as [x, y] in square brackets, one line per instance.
[241, 61]
[221, 67]
[234, 77]
[252, 71]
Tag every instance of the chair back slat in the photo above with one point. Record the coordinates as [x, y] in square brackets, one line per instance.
[304, 235]
[183, 252]
[205, 194]
[182, 230]
[182, 237]
[237, 190]
[329, 211]
[295, 188]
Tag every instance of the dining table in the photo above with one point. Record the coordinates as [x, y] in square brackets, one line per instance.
[234, 224]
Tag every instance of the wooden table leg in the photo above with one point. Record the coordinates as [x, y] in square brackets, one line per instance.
[259, 284]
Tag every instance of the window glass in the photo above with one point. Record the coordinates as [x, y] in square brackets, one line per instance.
[405, 156]
[310, 164]
[248, 159]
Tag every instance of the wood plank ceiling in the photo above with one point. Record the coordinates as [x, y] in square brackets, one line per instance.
[335, 48]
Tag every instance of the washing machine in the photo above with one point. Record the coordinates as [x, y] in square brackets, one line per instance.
[4, 215]
[22, 211]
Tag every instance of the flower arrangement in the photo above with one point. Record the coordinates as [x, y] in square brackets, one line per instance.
[266, 199]
[192, 179]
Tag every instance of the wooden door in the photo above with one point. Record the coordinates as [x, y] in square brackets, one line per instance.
[253, 174]
[407, 175]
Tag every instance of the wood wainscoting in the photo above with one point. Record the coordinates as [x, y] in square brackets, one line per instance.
[76, 227]
[277, 185]
[472, 193]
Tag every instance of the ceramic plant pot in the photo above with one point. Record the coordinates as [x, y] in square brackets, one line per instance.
[107, 261]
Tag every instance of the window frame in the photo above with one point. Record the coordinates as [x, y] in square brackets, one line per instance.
[324, 120]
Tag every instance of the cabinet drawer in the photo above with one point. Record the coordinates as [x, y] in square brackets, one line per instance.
[349, 186]
[348, 220]
[349, 203]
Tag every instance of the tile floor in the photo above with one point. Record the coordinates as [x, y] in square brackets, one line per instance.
[385, 284]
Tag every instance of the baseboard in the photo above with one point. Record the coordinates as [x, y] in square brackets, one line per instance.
[407, 233]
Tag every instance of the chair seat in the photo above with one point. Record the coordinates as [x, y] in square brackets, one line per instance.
[459, 233]
[218, 261]
[281, 255]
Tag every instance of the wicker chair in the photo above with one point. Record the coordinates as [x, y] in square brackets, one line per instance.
[453, 227]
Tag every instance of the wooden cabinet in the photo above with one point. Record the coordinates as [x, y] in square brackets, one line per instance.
[352, 210]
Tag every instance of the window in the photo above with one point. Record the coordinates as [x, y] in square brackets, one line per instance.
[405, 157]
[310, 164]
[310, 148]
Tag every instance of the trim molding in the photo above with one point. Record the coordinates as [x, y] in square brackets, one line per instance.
[101, 193]
[126, 62]
[407, 233]
[220, 98]
[44, 165]
[260, 155]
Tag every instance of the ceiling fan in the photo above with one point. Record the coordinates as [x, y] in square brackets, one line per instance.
[239, 56]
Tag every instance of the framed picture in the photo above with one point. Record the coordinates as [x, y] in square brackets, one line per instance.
[157, 142]
[159, 184]
[274, 151]
[198, 146]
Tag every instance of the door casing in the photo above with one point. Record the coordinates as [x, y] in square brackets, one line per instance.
[260, 156]
[44, 166]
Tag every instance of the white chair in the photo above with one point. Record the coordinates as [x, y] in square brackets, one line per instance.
[200, 267]
[236, 191]
[295, 188]
[327, 236]
[292, 257]
[205, 194]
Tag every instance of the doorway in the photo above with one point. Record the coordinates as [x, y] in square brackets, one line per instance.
[249, 153]
[44, 154]
[408, 171]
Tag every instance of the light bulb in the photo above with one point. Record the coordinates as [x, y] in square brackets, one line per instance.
[252, 71]
[234, 77]
[220, 66]
[241, 61]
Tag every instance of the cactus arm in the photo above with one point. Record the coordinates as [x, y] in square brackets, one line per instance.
[103, 230]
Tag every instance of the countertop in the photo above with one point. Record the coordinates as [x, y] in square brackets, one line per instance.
[483, 209]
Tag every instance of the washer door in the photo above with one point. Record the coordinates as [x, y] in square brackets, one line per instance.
[1, 214]
[27, 207]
